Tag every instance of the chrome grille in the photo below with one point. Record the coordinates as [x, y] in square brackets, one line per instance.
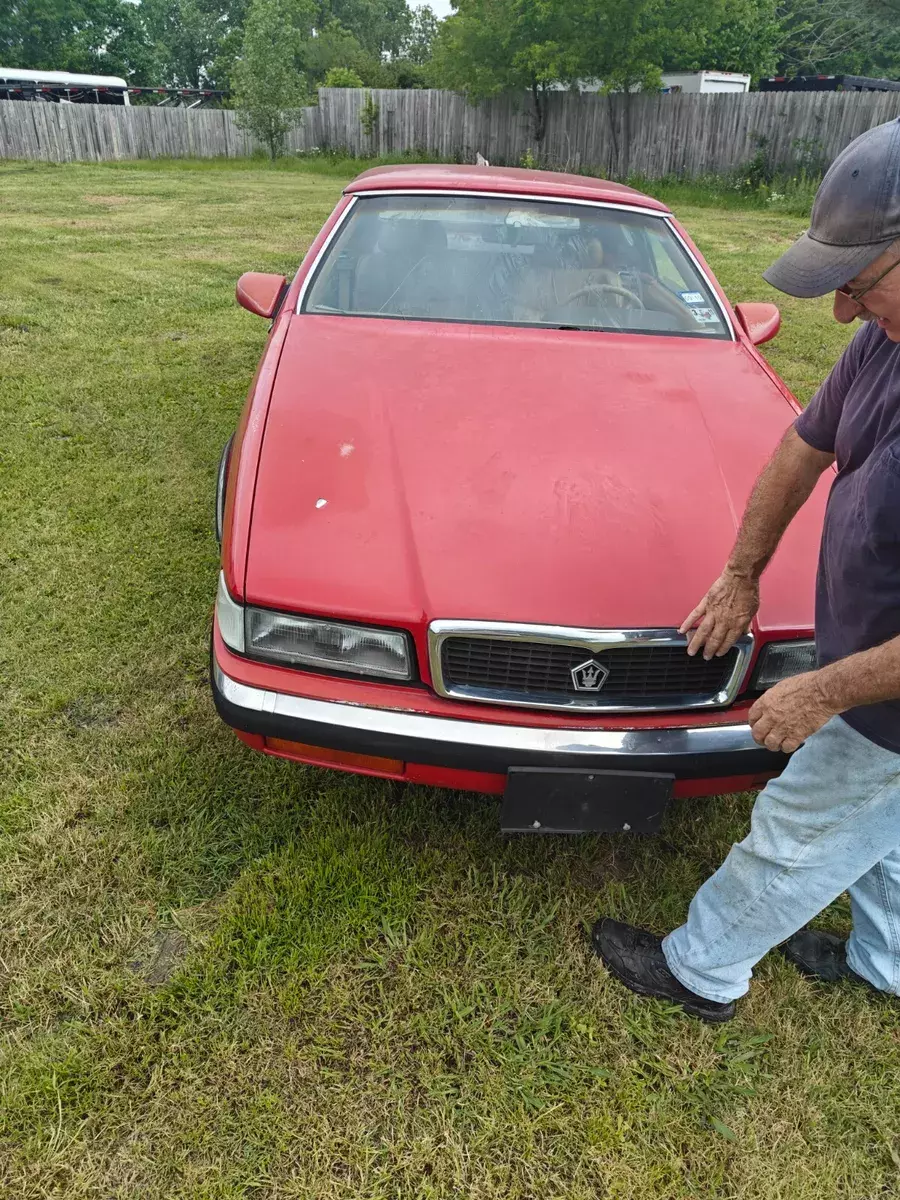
[648, 670]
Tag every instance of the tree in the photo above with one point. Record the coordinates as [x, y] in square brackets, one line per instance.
[100, 36]
[423, 29]
[334, 47]
[379, 26]
[488, 47]
[492, 46]
[836, 37]
[196, 43]
[741, 36]
[269, 90]
[626, 45]
[185, 36]
[623, 48]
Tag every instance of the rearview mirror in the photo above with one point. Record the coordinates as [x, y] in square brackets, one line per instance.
[260, 293]
[760, 321]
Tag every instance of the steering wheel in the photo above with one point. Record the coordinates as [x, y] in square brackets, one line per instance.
[613, 289]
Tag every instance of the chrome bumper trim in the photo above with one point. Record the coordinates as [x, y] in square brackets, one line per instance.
[662, 743]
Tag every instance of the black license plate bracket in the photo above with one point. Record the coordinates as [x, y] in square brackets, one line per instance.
[560, 800]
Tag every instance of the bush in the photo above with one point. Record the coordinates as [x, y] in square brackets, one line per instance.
[342, 77]
[368, 115]
[790, 194]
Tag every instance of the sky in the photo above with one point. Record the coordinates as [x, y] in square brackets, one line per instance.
[441, 7]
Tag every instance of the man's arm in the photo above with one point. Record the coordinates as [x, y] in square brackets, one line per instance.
[727, 609]
[790, 712]
[864, 678]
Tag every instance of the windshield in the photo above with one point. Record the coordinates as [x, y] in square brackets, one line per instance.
[496, 261]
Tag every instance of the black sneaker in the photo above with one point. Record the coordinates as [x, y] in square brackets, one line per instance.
[635, 957]
[821, 955]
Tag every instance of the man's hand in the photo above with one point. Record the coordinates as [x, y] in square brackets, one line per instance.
[790, 712]
[723, 615]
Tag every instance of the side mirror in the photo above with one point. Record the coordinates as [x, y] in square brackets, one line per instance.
[760, 321]
[260, 293]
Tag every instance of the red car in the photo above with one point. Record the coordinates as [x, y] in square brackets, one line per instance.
[496, 449]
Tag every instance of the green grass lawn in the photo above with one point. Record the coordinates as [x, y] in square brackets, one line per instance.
[226, 976]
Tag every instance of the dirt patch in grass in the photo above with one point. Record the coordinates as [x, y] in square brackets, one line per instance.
[86, 712]
[109, 201]
[162, 957]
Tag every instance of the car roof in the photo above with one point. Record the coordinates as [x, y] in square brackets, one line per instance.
[448, 177]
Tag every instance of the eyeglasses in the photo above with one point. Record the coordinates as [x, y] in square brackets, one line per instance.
[857, 293]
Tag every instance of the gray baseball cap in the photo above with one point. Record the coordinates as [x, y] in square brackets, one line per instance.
[855, 217]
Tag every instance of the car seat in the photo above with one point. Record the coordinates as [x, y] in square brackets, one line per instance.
[400, 275]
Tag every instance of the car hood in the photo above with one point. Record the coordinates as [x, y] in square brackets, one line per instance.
[412, 471]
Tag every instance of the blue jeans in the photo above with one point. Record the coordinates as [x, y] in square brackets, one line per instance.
[830, 823]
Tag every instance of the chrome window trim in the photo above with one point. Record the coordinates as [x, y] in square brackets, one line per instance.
[664, 216]
[662, 743]
[323, 249]
[592, 641]
[501, 195]
[221, 477]
[692, 258]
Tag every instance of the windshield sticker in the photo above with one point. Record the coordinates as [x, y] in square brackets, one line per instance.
[704, 316]
[537, 218]
[692, 297]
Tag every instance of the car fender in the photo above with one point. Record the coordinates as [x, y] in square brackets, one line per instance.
[239, 478]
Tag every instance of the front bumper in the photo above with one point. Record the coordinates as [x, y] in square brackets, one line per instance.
[701, 752]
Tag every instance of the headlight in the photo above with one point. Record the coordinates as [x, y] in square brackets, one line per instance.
[327, 645]
[780, 660]
[317, 645]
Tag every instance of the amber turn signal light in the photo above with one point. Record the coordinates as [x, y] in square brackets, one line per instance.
[335, 758]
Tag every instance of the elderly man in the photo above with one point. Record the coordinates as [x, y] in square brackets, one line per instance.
[831, 822]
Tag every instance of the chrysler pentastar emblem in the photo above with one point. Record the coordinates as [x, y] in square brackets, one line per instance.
[590, 676]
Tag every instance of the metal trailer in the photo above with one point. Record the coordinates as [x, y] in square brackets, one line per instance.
[828, 83]
[164, 97]
[62, 87]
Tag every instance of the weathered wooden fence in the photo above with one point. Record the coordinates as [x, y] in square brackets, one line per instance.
[102, 132]
[653, 135]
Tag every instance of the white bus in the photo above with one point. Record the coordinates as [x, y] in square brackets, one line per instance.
[62, 87]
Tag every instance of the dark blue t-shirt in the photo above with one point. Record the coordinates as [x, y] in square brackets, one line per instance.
[856, 415]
